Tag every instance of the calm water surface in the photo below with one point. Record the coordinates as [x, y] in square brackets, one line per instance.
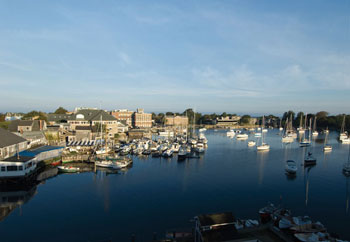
[160, 194]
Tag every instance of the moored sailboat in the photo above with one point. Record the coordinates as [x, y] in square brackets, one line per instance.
[263, 146]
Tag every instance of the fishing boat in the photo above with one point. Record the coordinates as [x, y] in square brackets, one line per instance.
[112, 163]
[309, 160]
[291, 167]
[68, 169]
[251, 143]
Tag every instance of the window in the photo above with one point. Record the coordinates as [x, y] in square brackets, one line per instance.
[3, 168]
[29, 165]
[20, 168]
[12, 168]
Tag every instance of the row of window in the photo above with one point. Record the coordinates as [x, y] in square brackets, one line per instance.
[15, 168]
[12, 168]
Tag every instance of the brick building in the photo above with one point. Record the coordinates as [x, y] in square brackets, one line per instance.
[140, 119]
[176, 120]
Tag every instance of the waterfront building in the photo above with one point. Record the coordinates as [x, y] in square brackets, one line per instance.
[140, 119]
[17, 167]
[12, 116]
[123, 115]
[228, 121]
[10, 144]
[34, 138]
[85, 133]
[27, 125]
[176, 121]
[84, 117]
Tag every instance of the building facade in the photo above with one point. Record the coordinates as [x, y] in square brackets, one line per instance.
[123, 115]
[140, 119]
[228, 121]
[176, 120]
[10, 144]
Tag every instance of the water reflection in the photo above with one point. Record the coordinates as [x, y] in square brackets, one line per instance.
[347, 196]
[12, 197]
[262, 156]
[307, 182]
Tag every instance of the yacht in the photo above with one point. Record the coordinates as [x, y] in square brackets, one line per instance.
[326, 147]
[263, 146]
[343, 133]
[287, 139]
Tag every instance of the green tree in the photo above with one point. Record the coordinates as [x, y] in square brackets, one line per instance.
[245, 119]
[61, 110]
[35, 115]
[2, 117]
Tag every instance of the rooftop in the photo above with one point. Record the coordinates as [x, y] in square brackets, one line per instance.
[21, 158]
[7, 138]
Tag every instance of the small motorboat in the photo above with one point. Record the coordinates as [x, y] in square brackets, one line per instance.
[309, 160]
[305, 143]
[258, 134]
[346, 169]
[242, 136]
[68, 169]
[251, 143]
[291, 167]
[327, 148]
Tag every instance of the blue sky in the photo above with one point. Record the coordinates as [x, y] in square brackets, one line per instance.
[215, 56]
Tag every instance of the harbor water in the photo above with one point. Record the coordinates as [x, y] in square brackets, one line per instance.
[160, 194]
